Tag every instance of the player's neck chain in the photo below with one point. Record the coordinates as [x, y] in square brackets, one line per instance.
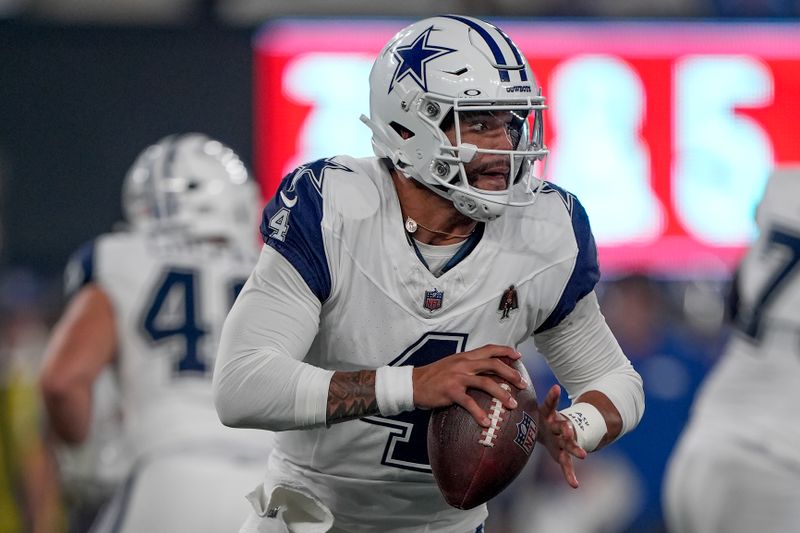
[412, 226]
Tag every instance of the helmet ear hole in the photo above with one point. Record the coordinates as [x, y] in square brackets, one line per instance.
[448, 122]
[401, 130]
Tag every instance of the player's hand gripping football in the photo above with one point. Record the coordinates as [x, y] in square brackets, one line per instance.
[446, 381]
[558, 436]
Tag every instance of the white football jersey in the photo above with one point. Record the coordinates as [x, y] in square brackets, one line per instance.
[756, 380]
[170, 298]
[338, 222]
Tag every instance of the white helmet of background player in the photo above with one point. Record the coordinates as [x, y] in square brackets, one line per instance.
[456, 64]
[194, 184]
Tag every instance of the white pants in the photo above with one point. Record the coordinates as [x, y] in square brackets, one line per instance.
[257, 524]
[190, 492]
[713, 486]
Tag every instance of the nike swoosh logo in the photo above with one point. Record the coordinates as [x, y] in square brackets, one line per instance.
[288, 201]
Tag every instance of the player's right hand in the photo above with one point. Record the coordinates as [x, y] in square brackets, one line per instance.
[445, 382]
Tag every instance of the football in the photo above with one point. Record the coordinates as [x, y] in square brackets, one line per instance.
[472, 464]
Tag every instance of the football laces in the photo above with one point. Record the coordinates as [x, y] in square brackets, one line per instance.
[496, 410]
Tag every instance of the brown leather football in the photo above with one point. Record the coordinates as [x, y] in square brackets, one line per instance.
[472, 464]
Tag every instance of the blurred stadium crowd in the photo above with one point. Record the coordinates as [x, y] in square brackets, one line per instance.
[672, 329]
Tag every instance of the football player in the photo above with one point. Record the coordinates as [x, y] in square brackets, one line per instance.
[389, 285]
[149, 303]
[736, 468]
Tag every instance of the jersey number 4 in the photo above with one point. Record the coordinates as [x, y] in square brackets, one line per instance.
[279, 224]
[407, 446]
[173, 312]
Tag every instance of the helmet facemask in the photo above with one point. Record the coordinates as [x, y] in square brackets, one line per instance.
[464, 156]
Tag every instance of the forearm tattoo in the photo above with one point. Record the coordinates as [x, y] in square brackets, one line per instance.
[351, 395]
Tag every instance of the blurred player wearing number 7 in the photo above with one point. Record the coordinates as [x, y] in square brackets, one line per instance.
[149, 303]
[736, 468]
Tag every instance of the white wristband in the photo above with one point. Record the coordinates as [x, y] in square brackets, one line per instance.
[590, 426]
[394, 389]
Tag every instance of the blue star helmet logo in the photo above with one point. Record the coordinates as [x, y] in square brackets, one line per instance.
[413, 59]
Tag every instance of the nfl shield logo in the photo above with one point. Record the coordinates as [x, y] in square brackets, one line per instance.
[433, 300]
[526, 433]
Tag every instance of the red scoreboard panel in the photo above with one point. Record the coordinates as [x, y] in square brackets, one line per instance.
[666, 132]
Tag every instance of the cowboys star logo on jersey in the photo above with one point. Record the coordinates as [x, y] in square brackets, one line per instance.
[315, 172]
[413, 59]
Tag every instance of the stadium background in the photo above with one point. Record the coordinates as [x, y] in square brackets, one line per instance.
[86, 84]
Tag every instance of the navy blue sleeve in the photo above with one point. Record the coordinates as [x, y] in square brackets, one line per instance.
[586, 273]
[80, 269]
[291, 224]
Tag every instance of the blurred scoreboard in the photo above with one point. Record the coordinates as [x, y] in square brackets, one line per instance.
[666, 132]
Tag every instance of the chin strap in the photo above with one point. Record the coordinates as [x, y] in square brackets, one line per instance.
[470, 207]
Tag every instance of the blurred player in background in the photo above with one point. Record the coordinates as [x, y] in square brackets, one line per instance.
[29, 484]
[389, 284]
[736, 468]
[149, 303]
[90, 472]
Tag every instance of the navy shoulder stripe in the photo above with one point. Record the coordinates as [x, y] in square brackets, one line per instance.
[80, 269]
[586, 272]
[291, 223]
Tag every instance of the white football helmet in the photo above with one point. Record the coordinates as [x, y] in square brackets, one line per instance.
[433, 72]
[193, 184]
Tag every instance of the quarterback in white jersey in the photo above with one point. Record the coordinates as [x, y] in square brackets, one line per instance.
[389, 285]
[149, 303]
[736, 468]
